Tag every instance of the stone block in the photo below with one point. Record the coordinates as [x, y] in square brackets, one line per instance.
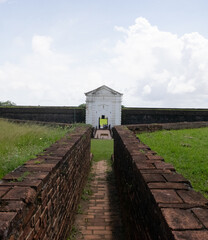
[166, 196]
[167, 185]
[164, 165]
[192, 197]
[175, 177]
[190, 235]
[26, 194]
[179, 219]
[202, 215]
[153, 178]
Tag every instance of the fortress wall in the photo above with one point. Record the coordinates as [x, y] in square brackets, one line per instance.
[145, 116]
[129, 115]
[39, 199]
[45, 114]
[157, 202]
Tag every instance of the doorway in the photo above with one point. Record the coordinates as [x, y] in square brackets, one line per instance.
[103, 122]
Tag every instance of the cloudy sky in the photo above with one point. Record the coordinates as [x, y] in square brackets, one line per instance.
[155, 52]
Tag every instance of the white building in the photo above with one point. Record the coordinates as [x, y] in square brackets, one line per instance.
[103, 107]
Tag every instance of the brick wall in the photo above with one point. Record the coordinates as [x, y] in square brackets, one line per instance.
[157, 202]
[39, 199]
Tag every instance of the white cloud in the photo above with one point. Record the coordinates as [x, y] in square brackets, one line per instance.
[151, 67]
[3, 1]
[42, 45]
[163, 68]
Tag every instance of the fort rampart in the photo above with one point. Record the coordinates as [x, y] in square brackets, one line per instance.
[39, 199]
[129, 115]
[156, 201]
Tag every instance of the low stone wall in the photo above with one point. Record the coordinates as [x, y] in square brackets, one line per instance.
[139, 128]
[45, 114]
[157, 202]
[39, 199]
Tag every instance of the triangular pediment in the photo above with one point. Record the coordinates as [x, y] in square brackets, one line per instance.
[103, 91]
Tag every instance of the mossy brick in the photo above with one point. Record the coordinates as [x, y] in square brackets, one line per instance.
[192, 197]
[166, 196]
[179, 219]
[26, 194]
[190, 235]
[167, 185]
[40, 167]
[36, 184]
[202, 215]
[13, 176]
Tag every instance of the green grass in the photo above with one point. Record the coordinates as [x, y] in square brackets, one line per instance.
[187, 150]
[102, 149]
[21, 142]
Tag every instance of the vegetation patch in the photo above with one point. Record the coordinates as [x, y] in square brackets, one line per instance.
[21, 142]
[187, 150]
[102, 149]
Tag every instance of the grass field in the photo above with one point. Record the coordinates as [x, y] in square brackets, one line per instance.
[187, 150]
[21, 142]
[102, 149]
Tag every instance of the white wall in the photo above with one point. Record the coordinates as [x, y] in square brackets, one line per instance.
[103, 103]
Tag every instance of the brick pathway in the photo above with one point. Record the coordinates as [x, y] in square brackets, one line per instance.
[101, 217]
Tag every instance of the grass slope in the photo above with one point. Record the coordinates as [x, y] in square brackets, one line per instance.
[102, 149]
[21, 142]
[187, 150]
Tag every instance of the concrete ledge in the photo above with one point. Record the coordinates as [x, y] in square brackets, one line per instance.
[157, 202]
[39, 199]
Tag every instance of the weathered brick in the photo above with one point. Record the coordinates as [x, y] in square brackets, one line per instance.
[192, 197]
[202, 215]
[145, 165]
[181, 219]
[164, 165]
[167, 185]
[46, 199]
[4, 190]
[175, 177]
[6, 221]
[11, 206]
[153, 178]
[25, 194]
[166, 196]
[191, 235]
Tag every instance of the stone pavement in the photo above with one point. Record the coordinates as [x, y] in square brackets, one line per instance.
[103, 134]
[101, 213]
